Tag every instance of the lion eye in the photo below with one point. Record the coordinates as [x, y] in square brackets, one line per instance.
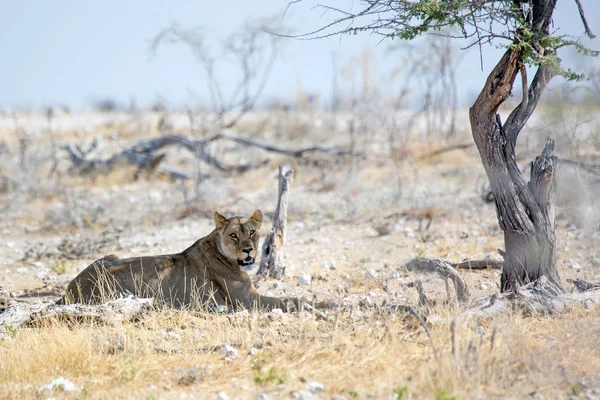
[252, 233]
[233, 236]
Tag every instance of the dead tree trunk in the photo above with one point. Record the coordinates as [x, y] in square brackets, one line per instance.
[272, 250]
[525, 210]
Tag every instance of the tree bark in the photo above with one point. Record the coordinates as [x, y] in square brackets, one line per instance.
[525, 210]
[272, 250]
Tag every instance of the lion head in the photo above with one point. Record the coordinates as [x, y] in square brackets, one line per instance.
[238, 237]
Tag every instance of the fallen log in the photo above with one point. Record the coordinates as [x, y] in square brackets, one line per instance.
[144, 157]
[114, 313]
[141, 155]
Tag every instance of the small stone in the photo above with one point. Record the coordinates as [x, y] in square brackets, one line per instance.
[221, 309]
[372, 273]
[574, 264]
[277, 311]
[262, 396]
[305, 279]
[59, 384]
[481, 240]
[222, 396]
[274, 285]
[315, 386]
[253, 351]
[229, 351]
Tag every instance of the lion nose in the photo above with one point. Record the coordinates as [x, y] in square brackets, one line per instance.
[247, 250]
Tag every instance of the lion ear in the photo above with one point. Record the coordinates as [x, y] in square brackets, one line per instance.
[256, 218]
[220, 221]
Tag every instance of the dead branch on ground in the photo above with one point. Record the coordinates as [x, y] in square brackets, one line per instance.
[114, 312]
[145, 156]
[584, 286]
[538, 297]
[477, 264]
[445, 271]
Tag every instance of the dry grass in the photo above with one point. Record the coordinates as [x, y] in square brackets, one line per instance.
[367, 354]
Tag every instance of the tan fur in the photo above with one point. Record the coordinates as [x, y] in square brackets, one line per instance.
[208, 273]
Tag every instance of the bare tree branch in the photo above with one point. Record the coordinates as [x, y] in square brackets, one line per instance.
[588, 31]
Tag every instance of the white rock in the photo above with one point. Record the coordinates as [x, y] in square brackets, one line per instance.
[221, 309]
[253, 351]
[372, 273]
[303, 395]
[574, 264]
[262, 396]
[229, 351]
[314, 386]
[277, 311]
[481, 240]
[222, 396]
[305, 279]
[59, 384]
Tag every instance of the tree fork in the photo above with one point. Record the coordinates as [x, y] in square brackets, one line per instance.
[525, 210]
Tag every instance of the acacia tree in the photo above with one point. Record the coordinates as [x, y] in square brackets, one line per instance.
[525, 209]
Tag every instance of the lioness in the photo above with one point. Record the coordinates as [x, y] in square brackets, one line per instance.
[209, 272]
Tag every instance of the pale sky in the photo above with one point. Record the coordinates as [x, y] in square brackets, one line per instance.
[73, 53]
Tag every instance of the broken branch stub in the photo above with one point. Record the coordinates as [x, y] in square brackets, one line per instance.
[272, 250]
